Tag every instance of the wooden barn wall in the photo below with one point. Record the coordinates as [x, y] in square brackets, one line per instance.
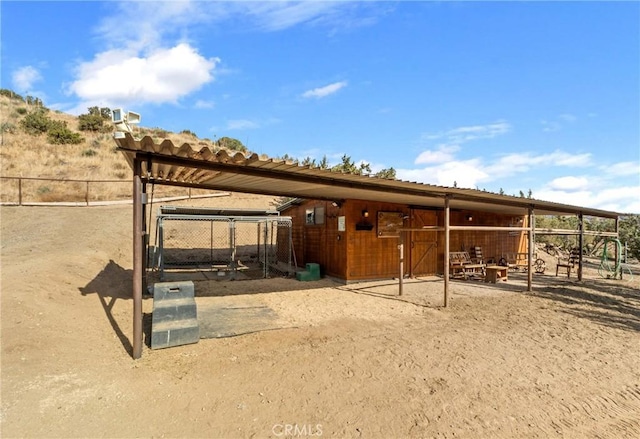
[360, 254]
[369, 256]
[494, 244]
[319, 243]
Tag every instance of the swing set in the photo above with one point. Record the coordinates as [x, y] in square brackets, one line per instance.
[611, 266]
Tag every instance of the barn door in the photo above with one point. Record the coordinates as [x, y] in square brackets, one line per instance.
[423, 252]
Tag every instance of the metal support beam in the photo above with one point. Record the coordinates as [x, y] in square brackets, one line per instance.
[532, 243]
[138, 256]
[580, 244]
[401, 259]
[447, 217]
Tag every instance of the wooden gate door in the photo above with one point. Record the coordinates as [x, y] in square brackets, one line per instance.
[423, 258]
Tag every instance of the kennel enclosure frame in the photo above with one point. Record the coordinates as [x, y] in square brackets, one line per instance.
[229, 251]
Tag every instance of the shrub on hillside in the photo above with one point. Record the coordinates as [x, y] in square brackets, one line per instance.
[10, 94]
[8, 127]
[95, 120]
[36, 122]
[188, 133]
[59, 134]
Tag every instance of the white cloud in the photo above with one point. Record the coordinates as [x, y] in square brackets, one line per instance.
[470, 133]
[143, 25]
[123, 77]
[557, 123]
[443, 153]
[204, 105]
[622, 169]
[512, 164]
[622, 199]
[567, 117]
[24, 78]
[325, 91]
[549, 127]
[569, 183]
[276, 15]
[241, 124]
[335, 15]
[464, 173]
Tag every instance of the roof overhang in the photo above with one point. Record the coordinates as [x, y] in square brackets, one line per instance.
[221, 170]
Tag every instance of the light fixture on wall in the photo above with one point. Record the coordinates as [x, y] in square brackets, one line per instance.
[469, 217]
[337, 204]
[365, 213]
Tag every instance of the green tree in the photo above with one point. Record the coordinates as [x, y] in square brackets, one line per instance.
[232, 144]
[629, 232]
[59, 134]
[287, 158]
[389, 174]
[36, 122]
[94, 120]
[322, 164]
[349, 167]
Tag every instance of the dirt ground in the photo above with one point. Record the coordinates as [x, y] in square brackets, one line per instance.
[346, 360]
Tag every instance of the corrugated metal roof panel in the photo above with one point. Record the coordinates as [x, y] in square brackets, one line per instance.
[235, 171]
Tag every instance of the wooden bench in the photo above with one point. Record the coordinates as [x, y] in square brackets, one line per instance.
[460, 264]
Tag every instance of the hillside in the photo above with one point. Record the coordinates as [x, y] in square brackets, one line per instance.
[94, 159]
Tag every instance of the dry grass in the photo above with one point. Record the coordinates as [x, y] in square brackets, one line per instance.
[95, 159]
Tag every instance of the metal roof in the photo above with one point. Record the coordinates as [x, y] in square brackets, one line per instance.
[237, 172]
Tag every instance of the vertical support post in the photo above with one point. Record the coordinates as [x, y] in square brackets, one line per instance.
[618, 261]
[232, 243]
[580, 244]
[145, 238]
[401, 259]
[447, 230]
[19, 191]
[86, 194]
[530, 222]
[290, 250]
[266, 253]
[258, 240]
[137, 259]
[211, 245]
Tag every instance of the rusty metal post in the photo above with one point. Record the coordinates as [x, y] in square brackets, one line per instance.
[86, 194]
[531, 221]
[401, 252]
[580, 244]
[138, 236]
[447, 218]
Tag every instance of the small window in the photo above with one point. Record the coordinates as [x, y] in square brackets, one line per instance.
[314, 216]
[311, 217]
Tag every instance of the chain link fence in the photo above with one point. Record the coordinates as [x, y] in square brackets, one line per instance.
[231, 247]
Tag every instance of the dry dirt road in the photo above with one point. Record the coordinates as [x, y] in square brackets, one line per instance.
[561, 361]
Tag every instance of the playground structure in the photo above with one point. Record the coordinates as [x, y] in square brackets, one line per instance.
[611, 266]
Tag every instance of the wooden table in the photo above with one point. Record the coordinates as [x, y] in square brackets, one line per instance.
[495, 272]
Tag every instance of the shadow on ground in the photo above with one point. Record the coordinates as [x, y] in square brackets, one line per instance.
[111, 284]
[612, 303]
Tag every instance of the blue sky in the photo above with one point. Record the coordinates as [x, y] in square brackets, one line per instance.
[489, 95]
